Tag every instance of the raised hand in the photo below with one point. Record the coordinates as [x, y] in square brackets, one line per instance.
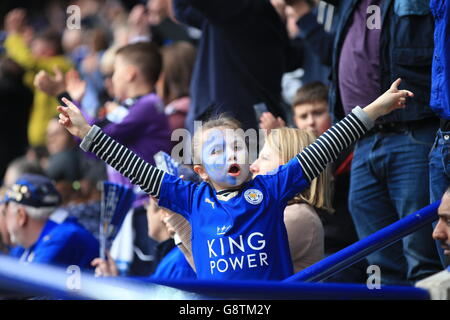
[391, 100]
[268, 121]
[15, 20]
[72, 119]
[74, 85]
[52, 86]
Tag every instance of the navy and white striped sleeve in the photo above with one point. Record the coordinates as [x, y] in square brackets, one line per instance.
[314, 158]
[141, 173]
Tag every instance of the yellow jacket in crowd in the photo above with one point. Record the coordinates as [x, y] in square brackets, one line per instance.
[44, 106]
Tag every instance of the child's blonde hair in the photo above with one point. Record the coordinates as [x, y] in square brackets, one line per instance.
[221, 121]
[288, 142]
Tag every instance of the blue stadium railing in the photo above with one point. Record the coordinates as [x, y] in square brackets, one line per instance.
[55, 282]
[359, 250]
[51, 282]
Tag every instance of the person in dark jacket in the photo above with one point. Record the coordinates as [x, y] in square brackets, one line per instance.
[15, 107]
[374, 42]
[243, 52]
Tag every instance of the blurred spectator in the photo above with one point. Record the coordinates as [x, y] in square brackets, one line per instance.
[90, 70]
[312, 69]
[174, 81]
[152, 22]
[243, 52]
[163, 28]
[441, 231]
[42, 52]
[16, 101]
[5, 240]
[86, 206]
[389, 177]
[15, 169]
[64, 162]
[30, 202]
[18, 167]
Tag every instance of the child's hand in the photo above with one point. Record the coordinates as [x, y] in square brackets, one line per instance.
[71, 118]
[388, 101]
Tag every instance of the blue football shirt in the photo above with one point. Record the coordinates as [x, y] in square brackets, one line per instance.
[240, 235]
[63, 245]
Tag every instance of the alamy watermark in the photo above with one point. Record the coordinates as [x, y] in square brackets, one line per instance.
[73, 281]
[73, 20]
[374, 279]
[189, 149]
[374, 20]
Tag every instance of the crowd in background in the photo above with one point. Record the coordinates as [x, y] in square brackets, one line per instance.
[269, 64]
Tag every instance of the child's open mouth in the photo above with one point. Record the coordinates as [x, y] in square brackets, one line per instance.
[234, 170]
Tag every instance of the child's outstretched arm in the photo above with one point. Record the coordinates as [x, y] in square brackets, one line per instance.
[327, 147]
[125, 161]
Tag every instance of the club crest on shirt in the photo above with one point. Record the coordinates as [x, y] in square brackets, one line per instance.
[253, 196]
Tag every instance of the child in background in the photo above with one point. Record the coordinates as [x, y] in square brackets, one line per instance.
[142, 124]
[309, 109]
[237, 223]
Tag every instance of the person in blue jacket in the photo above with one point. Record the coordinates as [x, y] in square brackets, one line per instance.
[440, 103]
[29, 204]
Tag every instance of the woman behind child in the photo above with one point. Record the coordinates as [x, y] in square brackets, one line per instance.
[304, 228]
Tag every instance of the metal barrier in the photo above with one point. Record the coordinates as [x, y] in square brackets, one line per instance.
[27, 280]
[35, 279]
[41, 280]
[274, 290]
[376, 241]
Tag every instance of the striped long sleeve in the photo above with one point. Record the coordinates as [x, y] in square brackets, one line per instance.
[125, 161]
[313, 159]
[327, 147]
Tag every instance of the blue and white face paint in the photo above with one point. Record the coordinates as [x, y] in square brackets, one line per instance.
[225, 157]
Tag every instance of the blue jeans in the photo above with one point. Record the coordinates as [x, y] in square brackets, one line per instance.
[389, 180]
[440, 174]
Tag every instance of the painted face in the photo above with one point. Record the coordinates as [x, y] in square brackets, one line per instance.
[225, 157]
[268, 160]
